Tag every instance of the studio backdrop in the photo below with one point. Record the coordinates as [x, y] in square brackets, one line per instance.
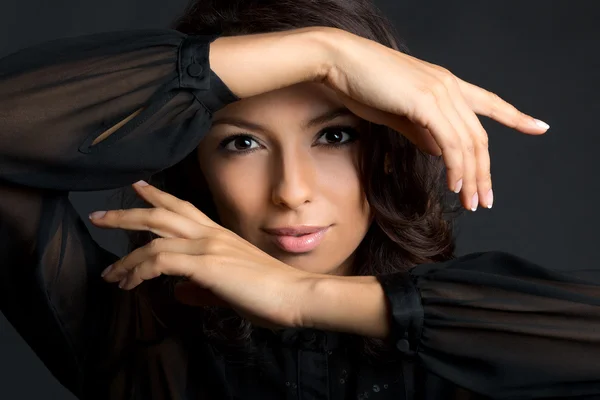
[542, 56]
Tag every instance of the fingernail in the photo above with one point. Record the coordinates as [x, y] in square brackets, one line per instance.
[122, 283]
[458, 186]
[141, 183]
[490, 199]
[541, 124]
[474, 202]
[106, 270]
[97, 214]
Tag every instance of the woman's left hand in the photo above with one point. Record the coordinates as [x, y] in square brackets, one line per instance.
[217, 262]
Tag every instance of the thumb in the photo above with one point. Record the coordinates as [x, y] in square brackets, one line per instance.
[418, 135]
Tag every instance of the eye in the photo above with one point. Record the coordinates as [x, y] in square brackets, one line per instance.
[239, 143]
[336, 136]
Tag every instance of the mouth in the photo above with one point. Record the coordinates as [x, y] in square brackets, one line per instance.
[298, 239]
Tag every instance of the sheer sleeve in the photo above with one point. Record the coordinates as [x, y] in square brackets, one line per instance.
[57, 98]
[500, 325]
[88, 113]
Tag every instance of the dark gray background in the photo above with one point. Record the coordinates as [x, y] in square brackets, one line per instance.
[540, 55]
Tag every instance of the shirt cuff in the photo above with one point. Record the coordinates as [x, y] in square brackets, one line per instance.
[195, 74]
[406, 319]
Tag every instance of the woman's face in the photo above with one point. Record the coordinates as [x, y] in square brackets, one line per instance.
[283, 172]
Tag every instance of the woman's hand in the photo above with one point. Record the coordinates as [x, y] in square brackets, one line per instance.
[428, 104]
[224, 269]
[221, 267]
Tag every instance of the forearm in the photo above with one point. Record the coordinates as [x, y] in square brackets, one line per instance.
[253, 64]
[102, 111]
[353, 304]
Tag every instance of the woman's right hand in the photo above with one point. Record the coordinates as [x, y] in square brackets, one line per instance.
[429, 105]
[426, 103]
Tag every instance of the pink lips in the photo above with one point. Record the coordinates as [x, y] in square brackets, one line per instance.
[299, 239]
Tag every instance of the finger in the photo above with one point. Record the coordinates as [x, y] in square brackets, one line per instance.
[484, 102]
[468, 194]
[125, 265]
[480, 143]
[418, 135]
[483, 177]
[430, 115]
[174, 264]
[160, 221]
[482, 159]
[162, 199]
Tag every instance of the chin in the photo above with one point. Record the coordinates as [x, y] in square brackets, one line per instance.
[309, 262]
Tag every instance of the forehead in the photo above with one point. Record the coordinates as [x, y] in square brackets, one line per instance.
[298, 102]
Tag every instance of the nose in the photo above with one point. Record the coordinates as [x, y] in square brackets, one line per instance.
[293, 180]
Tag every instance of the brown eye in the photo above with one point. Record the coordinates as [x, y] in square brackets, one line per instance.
[336, 136]
[240, 144]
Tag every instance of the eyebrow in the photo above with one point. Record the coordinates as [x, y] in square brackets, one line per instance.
[318, 120]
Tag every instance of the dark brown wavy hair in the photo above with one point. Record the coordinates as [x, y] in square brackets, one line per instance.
[412, 215]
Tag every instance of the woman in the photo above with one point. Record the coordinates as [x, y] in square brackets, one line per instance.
[280, 122]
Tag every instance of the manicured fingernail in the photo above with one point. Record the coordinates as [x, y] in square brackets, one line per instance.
[141, 183]
[458, 186]
[541, 124]
[106, 270]
[490, 199]
[474, 202]
[97, 214]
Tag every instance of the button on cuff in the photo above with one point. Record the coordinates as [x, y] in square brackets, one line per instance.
[195, 70]
[407, 313]
[193, 59]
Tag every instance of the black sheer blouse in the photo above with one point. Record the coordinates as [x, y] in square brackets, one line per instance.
[486, 325]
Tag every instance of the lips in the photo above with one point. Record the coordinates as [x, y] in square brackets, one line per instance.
[298, 239]
[295, 230]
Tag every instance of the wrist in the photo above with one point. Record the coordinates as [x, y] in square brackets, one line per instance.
[325, 43]
[355, 304]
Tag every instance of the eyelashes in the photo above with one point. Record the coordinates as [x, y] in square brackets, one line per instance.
[331, 136]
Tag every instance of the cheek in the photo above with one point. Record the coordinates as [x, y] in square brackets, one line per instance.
[341, 189]
[238, 192]
[340, 181]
